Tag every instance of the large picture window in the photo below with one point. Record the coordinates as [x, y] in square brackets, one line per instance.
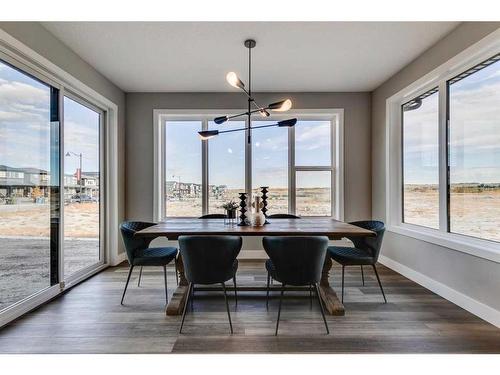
[299, 165]
[474, 151]
[447, 175]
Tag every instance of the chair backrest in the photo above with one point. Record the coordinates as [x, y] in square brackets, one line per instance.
[213, 216]
[283, 216]
[131, 242]
[297, 260]
[209, 259]
[370, 244]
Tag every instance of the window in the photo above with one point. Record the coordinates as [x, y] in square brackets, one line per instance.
[28, 203]
[444, 164]
[183, 169]
[313, 168]
[82, 127]
[474, 151]
[300, 165]
[420, 160]
[314, 193]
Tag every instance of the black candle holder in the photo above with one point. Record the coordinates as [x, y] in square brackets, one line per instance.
[243, 210]
[264, 190]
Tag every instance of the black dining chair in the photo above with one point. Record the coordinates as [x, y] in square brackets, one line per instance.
[296, 261]
[366, 251]
[283, 216]
[140, 254]
[213, 216]
[209, 260]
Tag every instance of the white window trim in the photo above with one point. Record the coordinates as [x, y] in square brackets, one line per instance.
[480, 51]
[335, 116]
[19, 55]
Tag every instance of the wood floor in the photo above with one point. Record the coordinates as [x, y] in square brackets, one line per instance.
[90, 319]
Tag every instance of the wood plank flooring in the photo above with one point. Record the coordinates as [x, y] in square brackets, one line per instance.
[90, 319]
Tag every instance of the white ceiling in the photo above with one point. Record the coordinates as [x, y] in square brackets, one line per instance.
[289, 56]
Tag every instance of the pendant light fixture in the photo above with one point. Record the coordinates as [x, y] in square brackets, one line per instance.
[233, 79]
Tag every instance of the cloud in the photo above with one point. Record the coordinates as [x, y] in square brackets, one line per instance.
[18, 92]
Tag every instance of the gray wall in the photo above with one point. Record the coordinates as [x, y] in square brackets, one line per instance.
[36, 37]
[139, 141]
[475, 277]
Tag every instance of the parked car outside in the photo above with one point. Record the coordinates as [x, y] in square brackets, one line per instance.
[82, 198]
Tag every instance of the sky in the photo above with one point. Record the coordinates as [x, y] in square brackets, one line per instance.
[474, 151]
[25, 125]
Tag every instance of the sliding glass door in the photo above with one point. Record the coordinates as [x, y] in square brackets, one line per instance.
[29, 185]
[51, 188]
[82, 194]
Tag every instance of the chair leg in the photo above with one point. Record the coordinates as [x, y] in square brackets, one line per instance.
[343, 269]
[192, 298]
[227, 307]
[310, 296]
[126, 285]
[185, 306]
[321, 308]
[379, 283]
[362, 275]
[140, 274]
[166, 288]
[176, 273]
[235, 292]
[279, 309]
[267, 291]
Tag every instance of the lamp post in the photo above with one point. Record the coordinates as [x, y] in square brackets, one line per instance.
[71, 153]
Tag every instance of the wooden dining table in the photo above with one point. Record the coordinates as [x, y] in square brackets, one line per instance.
[333, 229]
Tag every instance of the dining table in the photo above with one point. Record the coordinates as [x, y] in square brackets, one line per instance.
[172, 228]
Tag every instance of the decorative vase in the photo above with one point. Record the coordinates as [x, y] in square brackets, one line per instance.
[264, 190]
[243, 210]
[230, 217]
[258, 218]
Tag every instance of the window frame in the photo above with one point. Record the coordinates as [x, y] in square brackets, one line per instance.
[334, 116]
[439, 77]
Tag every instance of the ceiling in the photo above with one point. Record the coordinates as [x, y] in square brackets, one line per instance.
[289, 56]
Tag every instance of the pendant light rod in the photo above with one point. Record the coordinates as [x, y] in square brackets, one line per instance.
[249, 43]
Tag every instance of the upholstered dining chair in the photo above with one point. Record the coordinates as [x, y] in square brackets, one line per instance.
[283, 216]
[209, 260]
[296, 261]
[213, 216]
[366, 251]
[140, 254]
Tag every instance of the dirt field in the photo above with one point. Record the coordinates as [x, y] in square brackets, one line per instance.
[81, 220]
[310, 202]
[474, 214]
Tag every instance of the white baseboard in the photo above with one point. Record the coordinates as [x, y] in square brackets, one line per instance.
[475, 307]
[117, 259]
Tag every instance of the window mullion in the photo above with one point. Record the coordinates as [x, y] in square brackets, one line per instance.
[204, 170]
[443, 157]
[291, 172]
